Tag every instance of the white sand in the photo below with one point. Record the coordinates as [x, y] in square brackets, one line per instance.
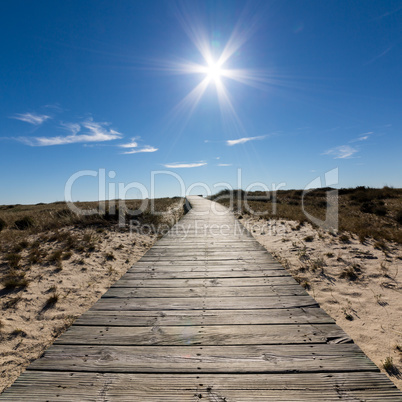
[79, 285]
[373, 302]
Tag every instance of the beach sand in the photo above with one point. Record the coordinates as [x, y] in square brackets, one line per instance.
[29, 324]
[359, 285]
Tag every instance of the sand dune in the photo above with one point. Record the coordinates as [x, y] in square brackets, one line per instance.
[359, 285]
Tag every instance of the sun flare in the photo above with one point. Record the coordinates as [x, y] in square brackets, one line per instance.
[216, 68]
[214, 71]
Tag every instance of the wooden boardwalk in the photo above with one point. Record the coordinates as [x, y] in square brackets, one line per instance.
[206, 314]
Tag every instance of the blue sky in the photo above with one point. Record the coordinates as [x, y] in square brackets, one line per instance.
[283, 90]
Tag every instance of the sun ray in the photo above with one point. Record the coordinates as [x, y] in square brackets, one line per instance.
[214, 69]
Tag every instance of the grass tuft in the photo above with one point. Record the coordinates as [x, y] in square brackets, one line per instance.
[389, 366]
[349, 273]
[24, 223]
[52, 300]
[15, 280]
[13, 260]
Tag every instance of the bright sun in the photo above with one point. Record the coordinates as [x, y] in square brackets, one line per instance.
[214, 71]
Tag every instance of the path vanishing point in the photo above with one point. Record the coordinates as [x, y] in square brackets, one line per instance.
[211, 316]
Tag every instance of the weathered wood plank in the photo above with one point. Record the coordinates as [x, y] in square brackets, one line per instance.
[210, 303]
[208, 359]
[204, 335]
[208, 317]
[75, 387]
[177, 274]
[207, 291]
[194, 283]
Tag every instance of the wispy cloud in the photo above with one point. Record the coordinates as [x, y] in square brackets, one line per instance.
[184, 165]
[95, 132]
[32, 118]
[132, 144]
[244, 140]
[134, 147]
[147, 148]
[341, 152]
[362, 137]
[224, 164]
[73, 128]
[387, 14]
[382, 54]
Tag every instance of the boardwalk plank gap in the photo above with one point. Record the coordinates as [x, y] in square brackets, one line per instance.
[204, 314]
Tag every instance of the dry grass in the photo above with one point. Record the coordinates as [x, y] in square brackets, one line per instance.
[50, 234]
[18, 222]
[365, 212]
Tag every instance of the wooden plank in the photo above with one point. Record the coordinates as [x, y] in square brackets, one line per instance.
[208, 317]
[205, 291]
[204, 335]
[200, 266]
[207, 274]
[194, 283]
[211, 303]
[207, 359]
[69, 386]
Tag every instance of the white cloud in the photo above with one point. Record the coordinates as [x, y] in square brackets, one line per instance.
[362, 137]
[147, 148]
[73, 128]
[341, 152]
[96, 132]
[132, 144]
[244, 140]
[32, 118]
[184, 165]
[224, 164]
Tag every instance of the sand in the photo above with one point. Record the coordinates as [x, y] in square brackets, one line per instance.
[368, 308]
[29, 327]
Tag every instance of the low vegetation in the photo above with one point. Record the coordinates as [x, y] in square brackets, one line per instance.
[51, 233]
[363, 211]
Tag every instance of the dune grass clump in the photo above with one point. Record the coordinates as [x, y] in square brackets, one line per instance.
[3, 224]
[24, 223]
[110, 256]
[18, 332]
[55, 257]
[363, 211]
[389, 366]
[13, 260]
[398, 216]
[12, 302]
[349, 273]
[15, 280]
[52, 300]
